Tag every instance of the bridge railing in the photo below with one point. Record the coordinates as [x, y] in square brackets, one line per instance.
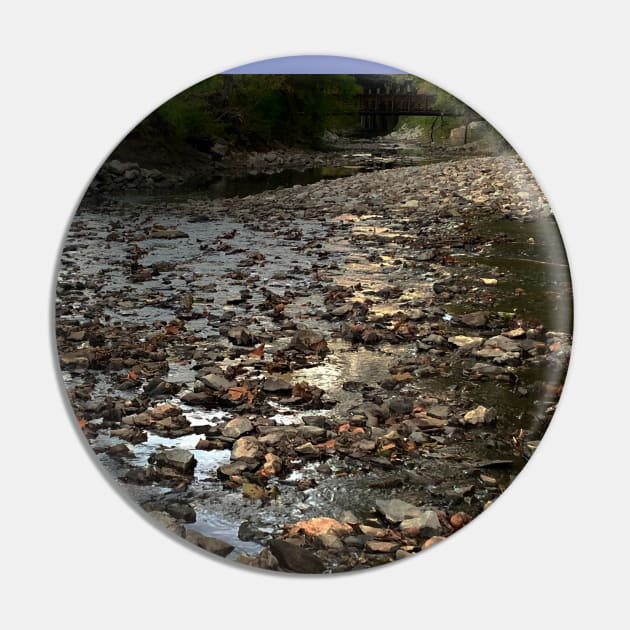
[400, 104]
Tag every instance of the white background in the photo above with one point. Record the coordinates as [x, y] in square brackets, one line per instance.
[78, 76]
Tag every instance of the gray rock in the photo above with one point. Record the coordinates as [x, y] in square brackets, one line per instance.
[216, 382]
[434, 340]
[234, 468]
[309, 341]
[120, 168]
[467, 343]
[423, 526]
[168, 522]
[273, 384]
[293, 558]
[503, 343]
[182, 511]
[240, 336]
[177, 458]
[237, 427]
[395, 510]
[439, 411]
[400, 405]
[307, 449]
[475, 320]
[213, 545]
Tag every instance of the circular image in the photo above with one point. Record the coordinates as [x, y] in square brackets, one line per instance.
[313, 315]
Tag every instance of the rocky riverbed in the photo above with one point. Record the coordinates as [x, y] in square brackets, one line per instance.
[324, 377]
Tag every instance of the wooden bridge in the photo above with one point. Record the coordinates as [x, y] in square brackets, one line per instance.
[398, 105]
[383, 102]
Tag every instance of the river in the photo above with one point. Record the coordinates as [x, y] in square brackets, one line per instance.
[384, 264]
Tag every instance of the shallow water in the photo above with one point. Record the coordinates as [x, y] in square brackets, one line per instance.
[530, 258]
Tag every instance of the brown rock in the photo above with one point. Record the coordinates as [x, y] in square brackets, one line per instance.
[319, 526]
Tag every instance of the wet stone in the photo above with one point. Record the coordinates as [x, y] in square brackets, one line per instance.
[247, 447]
[423, 526]
[240, 336]
[237, 427]
[395, 510]
[216, 382]
[293, 558]
[478, 319]
[478, 415]
[213, 545]
[273, 384]
[439, 411]
[168, 522]
[308, 341]
[381, 546]
[181, 460]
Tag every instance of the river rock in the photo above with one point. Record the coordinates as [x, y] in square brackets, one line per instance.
[478, 319]
[479, 415]
[468, 343]
[216, 382]
[168, 522]
[247, 448]
[181, 460]
[395, 510]
[503, 343]
[272, 465]
[182, 511]
[273, 384]
[439, 411]
[237, 427]
[293, 558]
[319, 526]
[381, 546]
[400, 405]
[120, 168]
[423, 526]
[240, 336]
[166, 410]
[309, 341]
[233, 468]
[213, 545]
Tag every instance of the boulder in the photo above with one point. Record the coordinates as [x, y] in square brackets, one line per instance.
[247, 447]
[167, 521]
[180, 459]
[395, 510]
[293, 558]
[213, 545]
[240, 336]
[216, 382]
[273, 384]
[478, 319]
[237, 427]
[423, 526]
[309, 341]
[320, 526]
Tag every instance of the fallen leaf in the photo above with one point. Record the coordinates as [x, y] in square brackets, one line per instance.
[258, 352]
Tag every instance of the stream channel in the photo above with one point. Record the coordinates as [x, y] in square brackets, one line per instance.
[172, 274]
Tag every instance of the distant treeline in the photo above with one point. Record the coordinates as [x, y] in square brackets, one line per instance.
[256, 111]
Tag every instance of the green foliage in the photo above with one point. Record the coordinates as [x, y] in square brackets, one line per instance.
[252, 110]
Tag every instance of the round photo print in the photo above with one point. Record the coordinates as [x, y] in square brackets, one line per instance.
[313, 315]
